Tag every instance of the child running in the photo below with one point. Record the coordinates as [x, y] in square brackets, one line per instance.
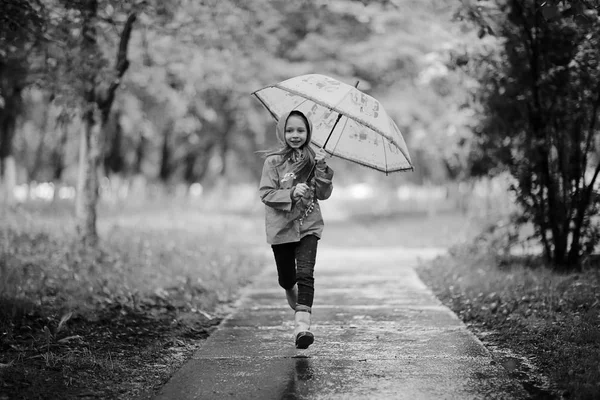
[294, 178]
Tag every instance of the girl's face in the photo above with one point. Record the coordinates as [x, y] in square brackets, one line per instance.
[296, 132]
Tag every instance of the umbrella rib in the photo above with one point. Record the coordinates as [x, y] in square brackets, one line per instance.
[339, 111]
[265, 105]
[340, 135]
[385, 157]
[296, 107]
[373, 166]
[269, 109]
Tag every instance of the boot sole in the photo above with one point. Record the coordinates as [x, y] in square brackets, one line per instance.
[304, 339]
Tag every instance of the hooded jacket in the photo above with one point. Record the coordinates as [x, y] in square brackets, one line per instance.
[287, 220]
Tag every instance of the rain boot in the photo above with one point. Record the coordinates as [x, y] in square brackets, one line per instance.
[302, 333]
[292, 296]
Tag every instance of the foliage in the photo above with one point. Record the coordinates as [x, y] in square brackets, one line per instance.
[541, 326]
[22, 26]
[21, 23]
[118, 320]
[184, 113]
[539, 99]
[410, 63]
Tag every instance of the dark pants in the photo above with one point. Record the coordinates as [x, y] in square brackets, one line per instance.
[296, 264]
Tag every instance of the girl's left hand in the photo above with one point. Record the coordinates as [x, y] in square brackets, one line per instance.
[320, 156]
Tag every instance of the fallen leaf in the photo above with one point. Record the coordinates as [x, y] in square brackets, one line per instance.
[63, 321]
[207, 315]
[69, 338]
[47, 332]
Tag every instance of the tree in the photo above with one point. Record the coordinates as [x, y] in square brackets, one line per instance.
[21, 27]
[540, 97]
[11, 86]
[97, 83]
[193, 65]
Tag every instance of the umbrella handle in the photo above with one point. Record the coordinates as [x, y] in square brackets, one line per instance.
[308, 178]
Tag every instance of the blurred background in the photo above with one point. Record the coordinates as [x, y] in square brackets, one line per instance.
[182, 125]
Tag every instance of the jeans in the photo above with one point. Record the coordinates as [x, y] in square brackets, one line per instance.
[296, 264]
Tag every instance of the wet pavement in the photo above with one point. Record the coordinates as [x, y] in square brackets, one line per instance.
[379, 334]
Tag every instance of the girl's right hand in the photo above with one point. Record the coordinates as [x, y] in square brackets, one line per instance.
[320, 156]
[300, 190]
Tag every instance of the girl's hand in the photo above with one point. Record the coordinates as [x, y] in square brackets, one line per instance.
[320, 156]
[300, 190]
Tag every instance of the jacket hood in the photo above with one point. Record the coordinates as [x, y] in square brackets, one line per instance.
[280, 129]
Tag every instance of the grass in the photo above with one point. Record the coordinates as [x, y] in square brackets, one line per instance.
[413, 230]
[544, 327]
[117, 321]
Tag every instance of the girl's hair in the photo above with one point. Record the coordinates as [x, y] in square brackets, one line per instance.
[304, 164]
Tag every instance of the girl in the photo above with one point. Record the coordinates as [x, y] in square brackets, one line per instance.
[292, 215]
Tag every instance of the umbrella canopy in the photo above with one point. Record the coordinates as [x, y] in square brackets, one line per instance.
[347, 123]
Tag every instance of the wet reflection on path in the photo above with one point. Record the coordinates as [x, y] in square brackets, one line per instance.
[300, 372]
[381, 334]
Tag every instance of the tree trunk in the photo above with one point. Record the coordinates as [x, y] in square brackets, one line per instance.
[114, 161]
[228, 129]
[34, 172]
[203, 160]
[140, 155]
[9, 180]
[99, 98]
[87, 193]
[165, 162]
[58, 154]
[189, 167]
[8, 126]
[7, 160]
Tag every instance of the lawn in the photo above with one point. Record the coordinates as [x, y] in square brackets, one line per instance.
[117, 322]
[412, 230]
[542, 326]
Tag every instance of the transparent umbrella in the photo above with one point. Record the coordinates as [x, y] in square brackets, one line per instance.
[347, 123]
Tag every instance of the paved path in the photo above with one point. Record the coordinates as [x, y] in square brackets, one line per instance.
[379, 334]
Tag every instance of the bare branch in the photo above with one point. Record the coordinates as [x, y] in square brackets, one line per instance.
[122, 62]
[591, 128]
[590, 187]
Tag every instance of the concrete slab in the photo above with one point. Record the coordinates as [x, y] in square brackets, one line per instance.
[379, 334]
[350, 316]
[307, 378]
